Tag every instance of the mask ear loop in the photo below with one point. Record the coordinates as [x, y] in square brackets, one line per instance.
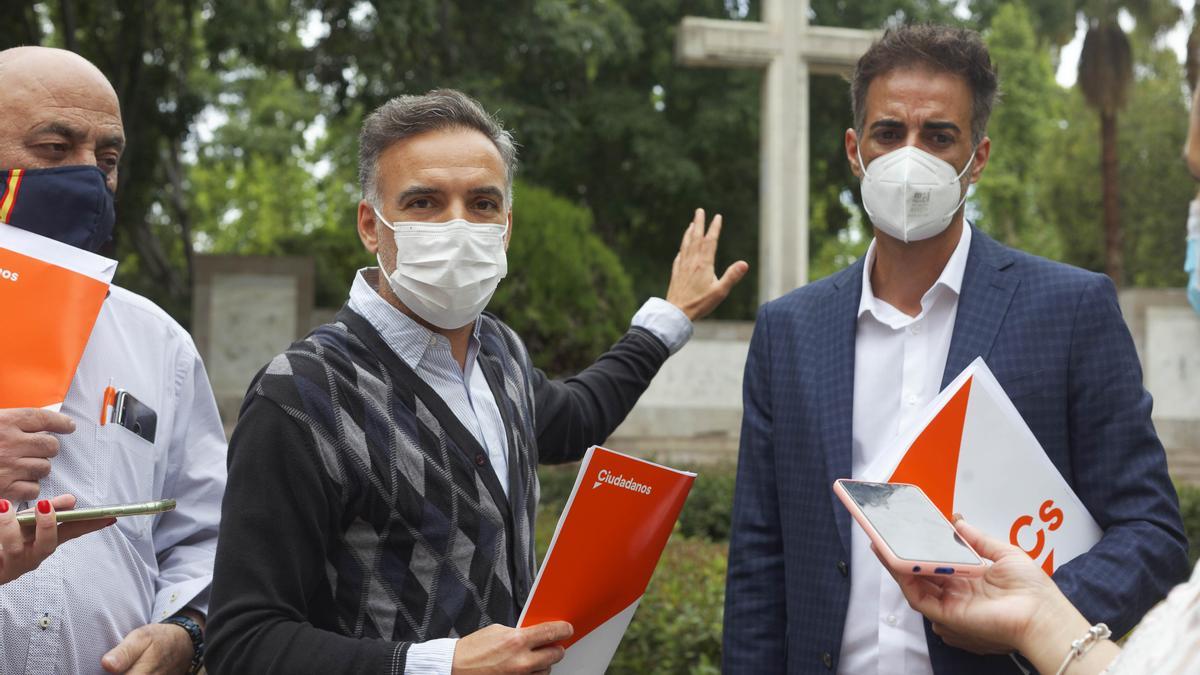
[863, 167]
[380, 218]
[959, 178]
[378, 259]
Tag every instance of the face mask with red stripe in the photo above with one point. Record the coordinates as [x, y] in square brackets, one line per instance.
[70, 204]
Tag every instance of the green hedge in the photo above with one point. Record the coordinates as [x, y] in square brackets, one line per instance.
[1189, 507]
[567, 294]
[677, 627]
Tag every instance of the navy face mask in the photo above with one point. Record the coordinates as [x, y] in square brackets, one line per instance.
[71, 204]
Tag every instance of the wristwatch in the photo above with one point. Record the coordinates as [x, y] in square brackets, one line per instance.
[196, 633]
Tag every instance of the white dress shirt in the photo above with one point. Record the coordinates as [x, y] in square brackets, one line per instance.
[898, 366]
[466, 392]
[84, 599]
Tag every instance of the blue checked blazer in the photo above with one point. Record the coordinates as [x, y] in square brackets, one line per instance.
[1054, 337]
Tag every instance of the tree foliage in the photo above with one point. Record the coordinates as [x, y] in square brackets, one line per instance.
[242, 121]
[566, 294]
[1021, 126]
[1154, 182]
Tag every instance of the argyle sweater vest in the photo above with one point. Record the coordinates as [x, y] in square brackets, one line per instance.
[428, 545]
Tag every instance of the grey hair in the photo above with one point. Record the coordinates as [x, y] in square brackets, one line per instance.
[406, 116]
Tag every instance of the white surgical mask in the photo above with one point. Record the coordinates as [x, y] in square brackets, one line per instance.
[447, 272]
[910, 194]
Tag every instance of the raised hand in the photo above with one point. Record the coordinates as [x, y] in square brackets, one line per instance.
[694, 286]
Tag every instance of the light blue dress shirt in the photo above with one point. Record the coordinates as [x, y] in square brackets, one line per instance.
[83, 600]
[467, 394]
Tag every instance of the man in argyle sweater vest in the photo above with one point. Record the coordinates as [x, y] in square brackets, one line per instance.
[380, 510]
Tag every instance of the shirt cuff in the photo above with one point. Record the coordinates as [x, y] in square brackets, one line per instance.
[191, 593]
[1194, 218]
[435, 657]
[666, 321]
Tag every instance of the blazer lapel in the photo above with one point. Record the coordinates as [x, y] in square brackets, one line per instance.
[987, 290]
[837, 327]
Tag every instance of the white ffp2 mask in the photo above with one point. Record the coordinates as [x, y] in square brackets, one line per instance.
[911, 195]
[447, 272]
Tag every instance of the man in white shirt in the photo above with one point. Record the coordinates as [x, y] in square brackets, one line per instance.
[132, 596]
[840, 368]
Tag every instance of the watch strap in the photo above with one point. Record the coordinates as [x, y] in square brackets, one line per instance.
[196, 633]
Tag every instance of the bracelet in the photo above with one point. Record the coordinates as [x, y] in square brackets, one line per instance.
[1084, 644]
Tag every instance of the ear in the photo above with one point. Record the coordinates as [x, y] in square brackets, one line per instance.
[368, 227]
[508, 232]
[851, 141]
[982, 152]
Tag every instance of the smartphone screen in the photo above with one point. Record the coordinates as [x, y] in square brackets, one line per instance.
[909, 523]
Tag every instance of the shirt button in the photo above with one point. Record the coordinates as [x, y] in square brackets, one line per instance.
[827, 659]
[480, 459]
[44, 622]
[916, 329]
[843, 568]
[891, 620]
[911, 399]
[174, 597]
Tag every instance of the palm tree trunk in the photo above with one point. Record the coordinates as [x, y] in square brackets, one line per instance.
[1114, 257]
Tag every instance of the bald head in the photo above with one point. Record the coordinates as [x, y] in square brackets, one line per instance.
[57, 110]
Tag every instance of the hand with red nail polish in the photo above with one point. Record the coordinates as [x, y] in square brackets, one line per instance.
[22, 548]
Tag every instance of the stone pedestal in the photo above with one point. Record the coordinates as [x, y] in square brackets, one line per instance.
[692, 411]
[1167, 333]
[247, 309]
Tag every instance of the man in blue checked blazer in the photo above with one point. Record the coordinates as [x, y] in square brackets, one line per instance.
[839, 368]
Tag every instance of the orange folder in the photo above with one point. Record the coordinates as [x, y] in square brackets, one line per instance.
[608, 542]
[50, 296]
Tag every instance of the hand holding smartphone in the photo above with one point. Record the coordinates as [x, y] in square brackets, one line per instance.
[908, 531]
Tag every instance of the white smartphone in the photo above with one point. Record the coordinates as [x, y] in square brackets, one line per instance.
[909, 532]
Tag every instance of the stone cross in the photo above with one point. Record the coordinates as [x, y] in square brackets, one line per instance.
[789, 48]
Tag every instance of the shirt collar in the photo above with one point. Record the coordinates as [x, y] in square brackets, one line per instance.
[950, 279]
[408, 339]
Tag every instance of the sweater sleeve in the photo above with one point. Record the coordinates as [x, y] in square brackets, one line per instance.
[581, 411]
[277, 522]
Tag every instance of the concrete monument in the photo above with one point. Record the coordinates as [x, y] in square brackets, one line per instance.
[789, 49]
[247, 309]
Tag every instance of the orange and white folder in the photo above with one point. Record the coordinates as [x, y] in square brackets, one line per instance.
[50, 296]
[608, 542]
[973, 454]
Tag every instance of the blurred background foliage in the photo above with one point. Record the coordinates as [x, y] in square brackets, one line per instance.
[242, 120]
